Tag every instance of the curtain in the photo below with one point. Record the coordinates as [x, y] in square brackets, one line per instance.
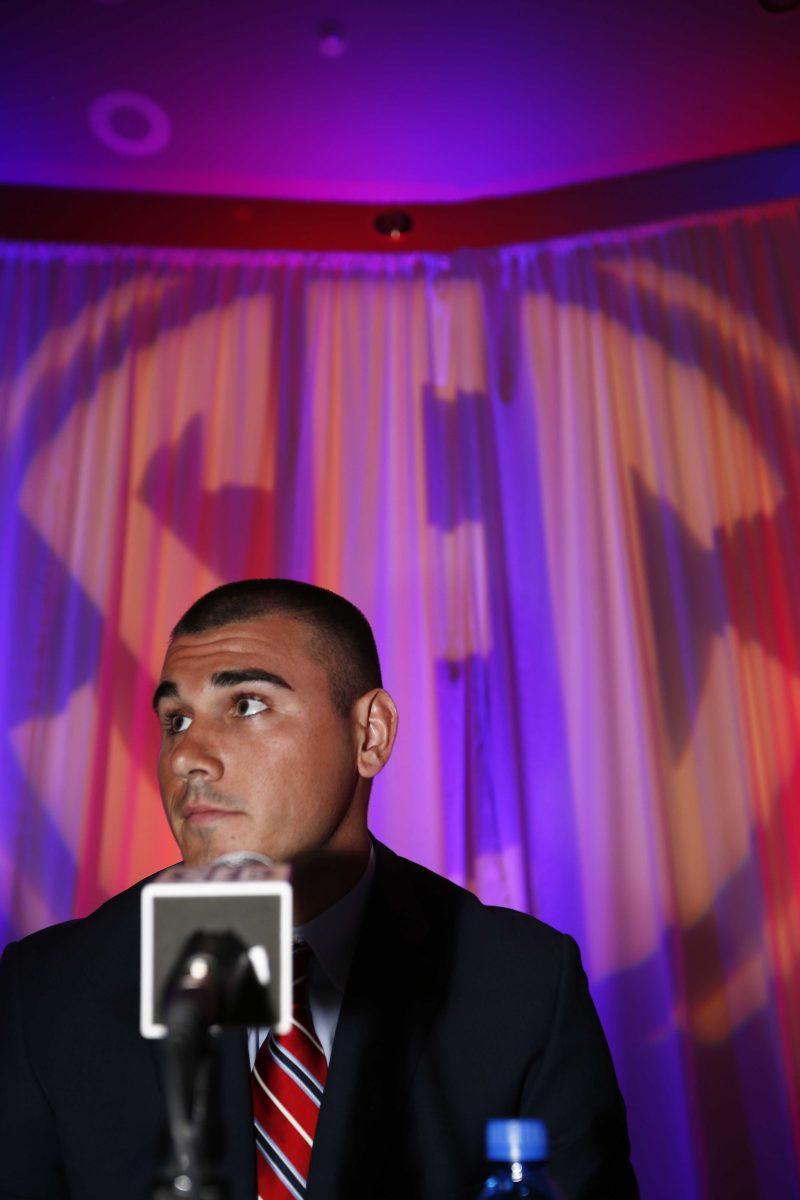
[563, 483]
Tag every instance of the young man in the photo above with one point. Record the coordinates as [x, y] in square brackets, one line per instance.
[422, 1013]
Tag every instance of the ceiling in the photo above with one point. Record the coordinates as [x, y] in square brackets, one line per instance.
[439, 101]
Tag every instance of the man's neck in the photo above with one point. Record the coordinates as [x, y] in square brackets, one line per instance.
[320, 882]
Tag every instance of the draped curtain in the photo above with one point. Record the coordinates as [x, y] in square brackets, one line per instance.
[563, 482]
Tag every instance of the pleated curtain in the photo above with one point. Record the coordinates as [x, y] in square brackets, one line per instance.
[563, 482]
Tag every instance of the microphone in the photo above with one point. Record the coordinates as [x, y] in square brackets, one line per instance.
[231, 867]
[216, 953]
[217, 940]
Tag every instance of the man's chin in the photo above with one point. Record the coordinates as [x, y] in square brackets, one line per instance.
[201, 844]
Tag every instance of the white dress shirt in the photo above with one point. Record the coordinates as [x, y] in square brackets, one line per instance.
[332, 938]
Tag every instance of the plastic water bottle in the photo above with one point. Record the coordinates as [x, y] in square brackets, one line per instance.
[517, 1155]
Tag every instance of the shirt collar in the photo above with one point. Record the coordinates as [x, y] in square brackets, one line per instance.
[332, 935]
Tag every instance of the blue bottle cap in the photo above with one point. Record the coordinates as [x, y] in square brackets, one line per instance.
[516, 1141]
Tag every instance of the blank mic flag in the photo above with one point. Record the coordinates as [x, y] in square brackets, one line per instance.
[225, 929]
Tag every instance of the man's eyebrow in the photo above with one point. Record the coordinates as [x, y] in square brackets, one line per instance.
[225, 679]
[165, 688]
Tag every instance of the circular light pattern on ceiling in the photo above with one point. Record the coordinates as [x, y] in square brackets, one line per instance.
[111, 113]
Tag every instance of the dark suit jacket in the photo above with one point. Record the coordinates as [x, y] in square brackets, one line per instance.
[454, 1013]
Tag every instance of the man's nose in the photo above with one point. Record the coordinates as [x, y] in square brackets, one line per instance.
[195, 755]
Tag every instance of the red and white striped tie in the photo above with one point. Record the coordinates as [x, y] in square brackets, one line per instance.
[287, 1083]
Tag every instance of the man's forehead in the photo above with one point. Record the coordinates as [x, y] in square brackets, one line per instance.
[278, 637]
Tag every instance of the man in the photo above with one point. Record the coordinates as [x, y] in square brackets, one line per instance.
[427, 1012]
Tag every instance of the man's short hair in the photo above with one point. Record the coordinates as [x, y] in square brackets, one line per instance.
[341, 637]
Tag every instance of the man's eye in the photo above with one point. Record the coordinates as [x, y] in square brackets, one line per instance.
[176, 723]
[249, 706]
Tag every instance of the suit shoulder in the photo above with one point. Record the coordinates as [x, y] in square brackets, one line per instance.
[437, 894]
[114, 922]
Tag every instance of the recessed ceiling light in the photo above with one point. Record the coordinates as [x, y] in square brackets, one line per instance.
[393, 223]
[331, 39]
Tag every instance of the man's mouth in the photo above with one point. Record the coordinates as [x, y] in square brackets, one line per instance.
[207, 816]
[205, 812]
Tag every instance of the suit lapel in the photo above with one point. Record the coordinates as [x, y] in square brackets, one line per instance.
[395, 982]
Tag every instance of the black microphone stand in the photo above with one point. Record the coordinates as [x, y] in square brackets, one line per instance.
[213, 984]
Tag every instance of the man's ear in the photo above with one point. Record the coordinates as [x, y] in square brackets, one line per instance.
[375, 719]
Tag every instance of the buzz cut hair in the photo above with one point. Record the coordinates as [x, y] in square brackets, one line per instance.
[340, 636]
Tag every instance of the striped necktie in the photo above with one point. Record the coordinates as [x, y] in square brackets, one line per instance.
[287, 1083]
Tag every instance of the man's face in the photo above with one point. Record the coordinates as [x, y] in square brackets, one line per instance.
[253, 754]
